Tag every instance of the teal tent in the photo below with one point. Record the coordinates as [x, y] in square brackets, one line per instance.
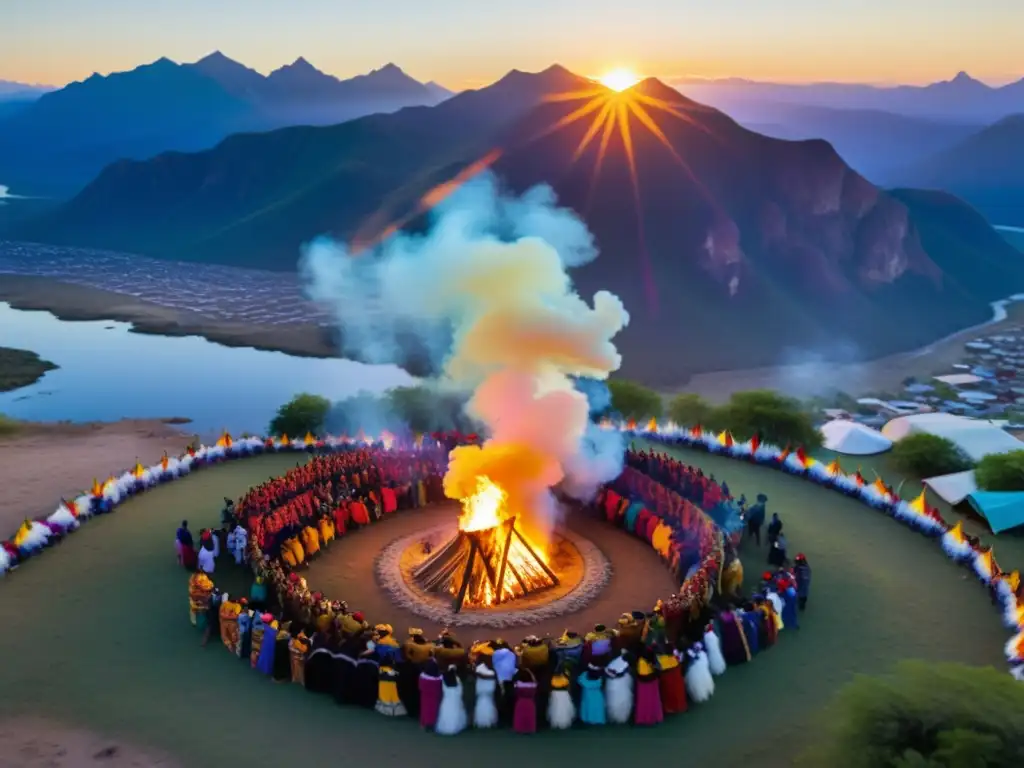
[1002, 510]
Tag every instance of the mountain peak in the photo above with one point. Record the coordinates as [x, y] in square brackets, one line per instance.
[302, 65]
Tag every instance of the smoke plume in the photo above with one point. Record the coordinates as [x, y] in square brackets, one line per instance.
[486, 289]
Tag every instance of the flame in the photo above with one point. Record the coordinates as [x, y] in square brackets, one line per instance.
[225, 441]
[309, 439]
[387, 439]
[97, 489]
[484, 513]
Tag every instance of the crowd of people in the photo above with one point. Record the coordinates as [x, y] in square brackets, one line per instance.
[648, 665]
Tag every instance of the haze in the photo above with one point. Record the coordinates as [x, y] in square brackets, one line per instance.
[464, 44]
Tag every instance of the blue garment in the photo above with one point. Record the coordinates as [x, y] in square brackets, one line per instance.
[789, 612]
[265, 662]
[592, 703]
[258, 593]
[751, 620]
[631, 515]
[185, 537]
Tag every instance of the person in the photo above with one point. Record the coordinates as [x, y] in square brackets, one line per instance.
[619, 689]
[505, 663]
[186, 546]
[281, 670]
[561, 710]
[451, 716]
[268, 645]
[700, 685]
[774, 528]
[388, 702]
[207, 557]
[790, 617]
[298, 648]
[430, 694]
[524, 719]
[670, 683]
[258, 594]
[802, 570]
[777, 552]
[592, 707]
[485, 710]
[237, 543]
[755, 518]
[213, 617]
[713, 647]
[648, 710]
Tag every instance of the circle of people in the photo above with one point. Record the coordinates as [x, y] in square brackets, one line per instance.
[638, 671]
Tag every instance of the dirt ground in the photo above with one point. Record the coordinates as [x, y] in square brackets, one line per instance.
[885, 374]
[42, 463]
[37, 743]
[345, 572]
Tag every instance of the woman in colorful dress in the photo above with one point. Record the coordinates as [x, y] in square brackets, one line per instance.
[713, 646]
[298, 647]
[485, 708]
[388, 702]
[451, 716]
[592, 708]
[648, 694]
[268, 645]
[699, 682]
[670, 683]
[524, 718]
[619, 689]
[430, 694]
[561, 709]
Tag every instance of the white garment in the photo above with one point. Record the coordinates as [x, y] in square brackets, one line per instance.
[561, 710]
[504, 660]
[713, 646]
[206, 561]
[238, 544]
[776, 602]
[216, 544]
[451, 716]
[700, 685]
[618, 693]
[485, 710]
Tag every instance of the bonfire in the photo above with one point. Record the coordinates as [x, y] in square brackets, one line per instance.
[489, 561]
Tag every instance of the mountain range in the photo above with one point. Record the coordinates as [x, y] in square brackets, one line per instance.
[962, 99]
[62, 139]
[730, 248]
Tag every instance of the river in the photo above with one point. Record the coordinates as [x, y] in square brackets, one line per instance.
[107, 373]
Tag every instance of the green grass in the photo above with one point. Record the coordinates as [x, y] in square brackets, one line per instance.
[96, 633]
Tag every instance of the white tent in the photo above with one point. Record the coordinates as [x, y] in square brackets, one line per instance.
[975, 437]
[849, 437]
[953, 488]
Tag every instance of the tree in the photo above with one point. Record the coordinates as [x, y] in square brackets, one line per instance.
[1001, 472]
[924, 715]
[689, 409]
[635, 401]
[775, 418]
[924, 455]
[303, 413]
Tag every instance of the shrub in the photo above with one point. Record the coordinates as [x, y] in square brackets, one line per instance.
[688, 410]
[635, 401]
[423, 408]
[1001, 472]
[8, 426]
[924, 455]
[924, 715]
[775, 418]
[303, 413]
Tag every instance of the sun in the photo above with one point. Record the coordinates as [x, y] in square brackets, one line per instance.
[619, 79]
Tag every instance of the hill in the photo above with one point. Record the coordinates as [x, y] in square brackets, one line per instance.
[986, 169]
[62, 140]
[871, 141]
[733, 249]
[961, 99]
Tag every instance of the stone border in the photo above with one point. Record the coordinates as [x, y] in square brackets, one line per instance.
[597, 571]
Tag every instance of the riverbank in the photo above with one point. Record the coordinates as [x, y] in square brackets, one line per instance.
[20, 367]
[71, 302]
[42, 462]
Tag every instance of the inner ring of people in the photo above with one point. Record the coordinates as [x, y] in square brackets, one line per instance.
[636, 663]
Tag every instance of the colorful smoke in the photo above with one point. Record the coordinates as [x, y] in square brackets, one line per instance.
[487, 290]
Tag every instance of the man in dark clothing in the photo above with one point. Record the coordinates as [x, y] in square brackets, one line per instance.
[774, 529]
[802, 571]
[755, 518]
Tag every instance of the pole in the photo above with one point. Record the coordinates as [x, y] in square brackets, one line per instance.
[540, 562]
[466, 575]
[504, 557]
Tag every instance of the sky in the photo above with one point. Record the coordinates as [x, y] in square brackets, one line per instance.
[468, 43]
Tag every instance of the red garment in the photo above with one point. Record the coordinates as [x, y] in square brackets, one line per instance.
[390, 500]
[611, 505]
[640, 526]
[673, 690]
[360, 515]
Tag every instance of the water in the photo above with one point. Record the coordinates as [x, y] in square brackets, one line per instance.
[1007, 228]
[107, 373]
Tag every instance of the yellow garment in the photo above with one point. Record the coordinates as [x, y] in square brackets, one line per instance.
[350, 626]
[298, 647]
[535, 655]
[295, 547]
[667, 661]
[559, 682]
[732, 580]
[22, 534]
[323, 622]
[417, 653]
[326, 530]
[288, 557]
[662, 540]
[310, 540]
[387, 688]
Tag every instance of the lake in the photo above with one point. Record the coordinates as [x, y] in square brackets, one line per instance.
[107, 373]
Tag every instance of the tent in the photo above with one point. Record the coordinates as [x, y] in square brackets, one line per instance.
[975, 437]
[953, 488]
[849, 437]
[1002, 510]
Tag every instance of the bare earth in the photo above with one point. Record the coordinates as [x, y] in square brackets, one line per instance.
[34, 743]
[44, 462]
